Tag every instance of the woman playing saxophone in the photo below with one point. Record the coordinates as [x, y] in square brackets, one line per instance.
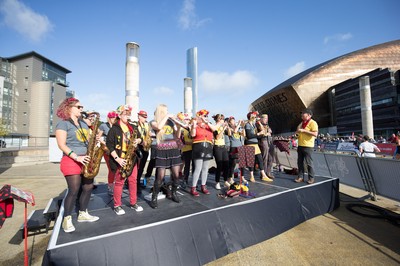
[72, 133]
[120, 139]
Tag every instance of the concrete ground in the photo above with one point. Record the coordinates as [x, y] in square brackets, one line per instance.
[339, 238]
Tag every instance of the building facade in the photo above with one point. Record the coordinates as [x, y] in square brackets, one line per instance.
[385, 97]
[32, 88]
[311, 88]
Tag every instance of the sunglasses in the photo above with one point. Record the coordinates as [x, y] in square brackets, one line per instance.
[78, 106]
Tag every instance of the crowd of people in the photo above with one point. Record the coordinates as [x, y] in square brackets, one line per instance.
[179, 143]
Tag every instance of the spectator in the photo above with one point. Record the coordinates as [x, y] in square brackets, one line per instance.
[367, 148]
[393, 138]
[381, 139]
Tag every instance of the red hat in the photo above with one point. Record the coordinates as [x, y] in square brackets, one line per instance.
[112, 114]
[252, 114]
[202, 112]
[143, 113]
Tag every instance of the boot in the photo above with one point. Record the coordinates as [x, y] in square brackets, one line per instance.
[174, 196]
[168, 189]
[205, 190]
[156, 190]
[194, 192]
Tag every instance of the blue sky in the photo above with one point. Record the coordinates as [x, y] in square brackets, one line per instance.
[245, 48]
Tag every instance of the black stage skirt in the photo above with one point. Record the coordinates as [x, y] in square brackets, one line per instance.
[202, 150]
[167, 158]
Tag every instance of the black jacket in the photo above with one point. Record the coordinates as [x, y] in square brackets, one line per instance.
[114, 143]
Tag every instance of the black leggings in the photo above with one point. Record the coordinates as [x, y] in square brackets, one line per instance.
[222, 161]
[259, 160]
[74, 183]
[187, 160]
[160, 173]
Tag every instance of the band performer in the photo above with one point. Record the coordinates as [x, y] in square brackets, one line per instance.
[72, 134]
[167, 152]
[122, 141]
[105, 127]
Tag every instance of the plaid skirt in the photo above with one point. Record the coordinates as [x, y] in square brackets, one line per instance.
[167, 158]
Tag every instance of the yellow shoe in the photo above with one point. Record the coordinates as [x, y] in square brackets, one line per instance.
[252, 179]
[267, 179]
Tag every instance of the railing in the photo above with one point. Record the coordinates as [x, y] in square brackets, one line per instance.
[23, 142]
[378, 176]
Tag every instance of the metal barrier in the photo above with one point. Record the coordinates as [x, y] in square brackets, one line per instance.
[378, 176]
[385, 176]
[21, 142]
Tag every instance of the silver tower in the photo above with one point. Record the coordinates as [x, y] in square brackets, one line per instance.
[132, 78]
[188, 97]
[191, 64]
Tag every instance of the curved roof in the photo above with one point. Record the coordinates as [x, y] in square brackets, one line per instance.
[308, 88]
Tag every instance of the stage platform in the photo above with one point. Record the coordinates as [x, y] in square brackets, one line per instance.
[195, 231]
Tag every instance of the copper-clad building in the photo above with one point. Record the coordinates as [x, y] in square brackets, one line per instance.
[310, 88]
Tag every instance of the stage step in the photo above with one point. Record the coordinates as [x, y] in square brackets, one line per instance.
[52, 208]
[36, 223]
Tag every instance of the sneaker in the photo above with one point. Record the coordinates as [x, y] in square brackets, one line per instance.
[67, 224]
[136, 207]
[217, 186]
[311, 181]
[84, 216]
[266, 179]
[119, 211]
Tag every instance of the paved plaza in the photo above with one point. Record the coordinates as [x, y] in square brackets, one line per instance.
[339, 238]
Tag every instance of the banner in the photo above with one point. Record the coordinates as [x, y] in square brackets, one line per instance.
[329, 146]
[387, 148]
[346, 146]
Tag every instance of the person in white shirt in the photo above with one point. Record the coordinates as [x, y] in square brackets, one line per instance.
[367, 148]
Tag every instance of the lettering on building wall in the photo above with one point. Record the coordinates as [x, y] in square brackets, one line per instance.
[280, 106]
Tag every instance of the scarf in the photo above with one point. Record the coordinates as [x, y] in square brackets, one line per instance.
[305, 123]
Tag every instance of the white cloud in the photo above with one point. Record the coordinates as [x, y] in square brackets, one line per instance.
[163, 91]
[188, 18]
[238, 82]
[294, 70]
[25, 21]
[338, 37]
[99, 102]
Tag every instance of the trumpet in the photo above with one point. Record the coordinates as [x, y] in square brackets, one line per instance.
[179, 122]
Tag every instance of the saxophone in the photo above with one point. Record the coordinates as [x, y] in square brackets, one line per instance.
[95, 151]
[147, 139]
[130, 157]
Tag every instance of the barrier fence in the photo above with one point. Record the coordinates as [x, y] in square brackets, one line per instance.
[22, 142]
[378, 176]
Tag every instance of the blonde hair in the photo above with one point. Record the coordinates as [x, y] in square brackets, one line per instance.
[159, 114]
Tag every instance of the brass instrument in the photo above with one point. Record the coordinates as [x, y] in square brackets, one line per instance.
[95, 151]
[264, 128]
[179, 122]
[147, 139]
[130, 157]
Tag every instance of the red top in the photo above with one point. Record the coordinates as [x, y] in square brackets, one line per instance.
[203, 134]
